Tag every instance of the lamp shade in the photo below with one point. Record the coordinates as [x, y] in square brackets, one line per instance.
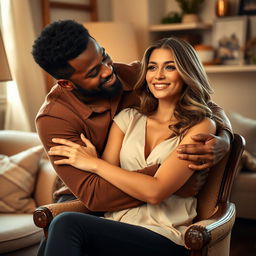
[5, 74]
[118, 39]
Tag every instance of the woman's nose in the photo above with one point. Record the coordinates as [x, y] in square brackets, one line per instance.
[160, 74]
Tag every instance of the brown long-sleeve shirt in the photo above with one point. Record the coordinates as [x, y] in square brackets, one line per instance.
[63, 115]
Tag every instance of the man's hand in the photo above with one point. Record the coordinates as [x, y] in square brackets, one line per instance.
[210, 151]
[194, 184]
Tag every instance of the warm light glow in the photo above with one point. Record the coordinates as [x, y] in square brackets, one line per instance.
[5, 74]
[15, 113]
[222, 8]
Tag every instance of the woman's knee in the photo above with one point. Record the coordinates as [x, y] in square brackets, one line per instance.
[62, 222]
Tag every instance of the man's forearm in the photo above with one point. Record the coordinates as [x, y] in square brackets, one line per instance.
[96, 193]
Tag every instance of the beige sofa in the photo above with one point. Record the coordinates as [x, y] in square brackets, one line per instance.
[244, 189]
[18, 234]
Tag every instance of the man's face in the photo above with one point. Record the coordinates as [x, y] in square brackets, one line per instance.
[94, 75]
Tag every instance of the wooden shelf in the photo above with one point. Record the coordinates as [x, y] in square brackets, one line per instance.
[230, 68]
[179, 27]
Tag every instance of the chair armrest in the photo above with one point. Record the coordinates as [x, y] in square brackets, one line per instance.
[212, 230]
[43, 215]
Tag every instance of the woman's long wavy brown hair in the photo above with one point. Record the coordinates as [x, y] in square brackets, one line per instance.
[193, 105]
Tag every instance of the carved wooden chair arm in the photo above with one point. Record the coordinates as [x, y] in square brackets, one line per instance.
[43, 215]
[200, 234]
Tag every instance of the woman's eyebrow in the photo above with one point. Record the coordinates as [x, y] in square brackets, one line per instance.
[166, 62]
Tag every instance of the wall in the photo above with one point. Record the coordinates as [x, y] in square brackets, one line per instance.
[235, 92]
[136, 13]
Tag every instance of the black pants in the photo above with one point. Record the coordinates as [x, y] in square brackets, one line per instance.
[72, 233]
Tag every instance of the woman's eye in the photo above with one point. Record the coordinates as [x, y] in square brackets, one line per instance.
[151, 68]
[170, 67]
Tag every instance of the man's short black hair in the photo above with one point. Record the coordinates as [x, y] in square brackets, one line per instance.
[58, 43]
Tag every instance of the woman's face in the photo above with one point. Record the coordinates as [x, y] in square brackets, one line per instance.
[162, 77]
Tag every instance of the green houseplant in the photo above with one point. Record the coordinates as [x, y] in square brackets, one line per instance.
[189, 9]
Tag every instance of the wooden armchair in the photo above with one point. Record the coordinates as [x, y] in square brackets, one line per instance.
[211, 231]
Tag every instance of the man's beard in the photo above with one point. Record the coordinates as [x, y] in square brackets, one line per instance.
[101, 91]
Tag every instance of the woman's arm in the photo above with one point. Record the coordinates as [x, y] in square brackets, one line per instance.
[166, 180]
[114, 144]
[149, 189]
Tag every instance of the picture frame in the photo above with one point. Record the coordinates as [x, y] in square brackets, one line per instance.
[229, 39]
[247, 7]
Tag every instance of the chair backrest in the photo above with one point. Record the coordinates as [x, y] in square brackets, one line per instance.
[218, 187]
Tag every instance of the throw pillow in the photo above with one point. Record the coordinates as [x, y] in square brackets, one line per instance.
[17, 180]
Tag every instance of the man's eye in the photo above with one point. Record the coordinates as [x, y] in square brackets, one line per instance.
[94, 73]
[105, 57]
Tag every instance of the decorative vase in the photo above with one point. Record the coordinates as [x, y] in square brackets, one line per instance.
[190, 17]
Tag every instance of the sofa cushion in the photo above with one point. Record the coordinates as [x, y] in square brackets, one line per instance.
[247, 128]
[244, 196]
[17, 180]
[18, 231]
[249, 161]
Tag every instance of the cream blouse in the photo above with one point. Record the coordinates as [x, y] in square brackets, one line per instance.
[169, 218]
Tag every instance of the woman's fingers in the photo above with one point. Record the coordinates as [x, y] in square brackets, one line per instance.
[62, 161]
[59, 151]
[86, 141]
[65, 142]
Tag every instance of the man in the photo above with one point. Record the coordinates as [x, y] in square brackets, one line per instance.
[90, 91]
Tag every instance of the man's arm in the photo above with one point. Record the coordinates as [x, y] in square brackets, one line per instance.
[212, 148]
[96, 193]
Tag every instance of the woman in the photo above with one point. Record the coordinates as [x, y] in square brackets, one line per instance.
[174, 93]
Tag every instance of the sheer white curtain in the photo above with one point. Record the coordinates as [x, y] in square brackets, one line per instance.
[27, 91]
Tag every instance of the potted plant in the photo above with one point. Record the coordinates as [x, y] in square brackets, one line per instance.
[189, 9]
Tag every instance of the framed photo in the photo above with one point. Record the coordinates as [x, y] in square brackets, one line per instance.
[229, 39]
[247, 7]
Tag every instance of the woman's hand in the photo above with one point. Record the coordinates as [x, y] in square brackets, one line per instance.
[78, 156]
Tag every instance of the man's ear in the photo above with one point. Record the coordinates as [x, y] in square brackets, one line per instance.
[66, 84]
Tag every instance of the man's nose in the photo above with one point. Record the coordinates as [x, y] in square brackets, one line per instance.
[106, 70]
